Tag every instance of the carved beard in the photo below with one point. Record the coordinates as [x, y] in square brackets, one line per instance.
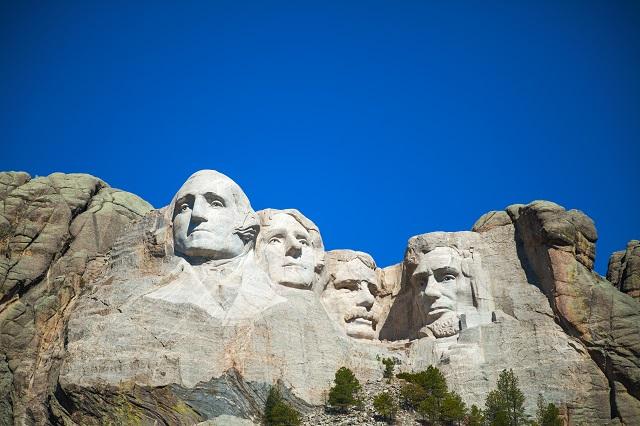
[447, 325]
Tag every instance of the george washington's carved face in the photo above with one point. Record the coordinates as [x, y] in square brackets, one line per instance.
[210, 214]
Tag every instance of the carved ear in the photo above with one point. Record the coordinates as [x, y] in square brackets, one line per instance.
[248, 234]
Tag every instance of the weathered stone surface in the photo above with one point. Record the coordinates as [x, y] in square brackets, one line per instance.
[115, 313]
[490, 220]
[557, 250]
[54, 234]
[506, 323]
[624, 269]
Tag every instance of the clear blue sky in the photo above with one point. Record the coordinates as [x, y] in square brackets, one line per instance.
[378, 120]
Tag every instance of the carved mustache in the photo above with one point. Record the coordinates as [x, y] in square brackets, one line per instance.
[361, 312]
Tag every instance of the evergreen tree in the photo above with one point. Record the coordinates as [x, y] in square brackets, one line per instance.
[551, 416]
[412, 395]
[385, 406]
[505, 404]
[343, 395]
[389, 365]
[475, 417]
[547, 414]
[431, 380]
[453, 410]
[429, 409]
[277, 412]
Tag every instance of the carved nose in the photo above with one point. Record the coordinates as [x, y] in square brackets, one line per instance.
[294, 248]
[365, 298]
[432, 289]
[198, 214]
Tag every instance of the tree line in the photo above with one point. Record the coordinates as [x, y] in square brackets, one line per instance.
[427, 395]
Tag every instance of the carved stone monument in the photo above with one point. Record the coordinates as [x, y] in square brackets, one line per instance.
[214, 231]
[349, 293]
[290, 248]
[113, 312]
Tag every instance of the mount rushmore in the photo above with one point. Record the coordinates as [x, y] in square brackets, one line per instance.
[114, 312]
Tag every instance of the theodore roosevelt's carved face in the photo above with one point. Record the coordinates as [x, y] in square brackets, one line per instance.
[211, 217]
[349, 295]
[287, 250]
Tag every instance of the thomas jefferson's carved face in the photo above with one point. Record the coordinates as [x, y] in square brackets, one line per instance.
[349, 296]
[208, 213]
[286, 248]
[440, 280]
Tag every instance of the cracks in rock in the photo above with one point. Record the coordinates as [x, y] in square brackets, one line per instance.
[131, 319]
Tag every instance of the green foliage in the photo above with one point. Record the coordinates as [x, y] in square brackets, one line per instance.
[453, 410]
[475, 417]
[277, 412]
[547, 414]
[389, 366]
[429, 409]
[504, 406]
[427, 393]
[412, 395]
[431, 380]
[385, 406]
[343, 395]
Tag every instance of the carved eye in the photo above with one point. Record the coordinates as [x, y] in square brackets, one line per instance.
[275, 240]
[448, 278]
[303, 241]
[184, 207]
[216, 203]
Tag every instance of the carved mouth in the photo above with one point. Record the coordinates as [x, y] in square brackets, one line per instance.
[199, 230]
[364, 318]
[437, 312]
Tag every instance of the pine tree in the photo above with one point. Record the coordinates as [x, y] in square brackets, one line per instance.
[385, 406]
[453, 410]
[505, 404]
[343, 395]
[429, 409]
[547, 414]
[277, 412]
[389, 365]
[475, 417]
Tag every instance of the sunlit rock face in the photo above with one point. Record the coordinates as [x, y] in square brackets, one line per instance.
[214, 231]
[212, 218]
[349, 293]
[290, 248]
[449, 284]
[111, 313]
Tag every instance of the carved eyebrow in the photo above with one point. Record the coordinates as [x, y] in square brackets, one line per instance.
[447, 270]
[211, 197]
[188, 198]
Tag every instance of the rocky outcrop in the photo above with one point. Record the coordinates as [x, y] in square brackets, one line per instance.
[111, 312]
[557, 251]
[55, 232]
[624, 269]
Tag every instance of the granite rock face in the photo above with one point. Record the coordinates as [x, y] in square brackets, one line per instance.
[113, 313]
[55, 232]
[624, 269]
[557, 250]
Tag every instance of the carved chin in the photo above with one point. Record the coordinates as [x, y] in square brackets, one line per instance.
[445, 326]
[360, 328]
